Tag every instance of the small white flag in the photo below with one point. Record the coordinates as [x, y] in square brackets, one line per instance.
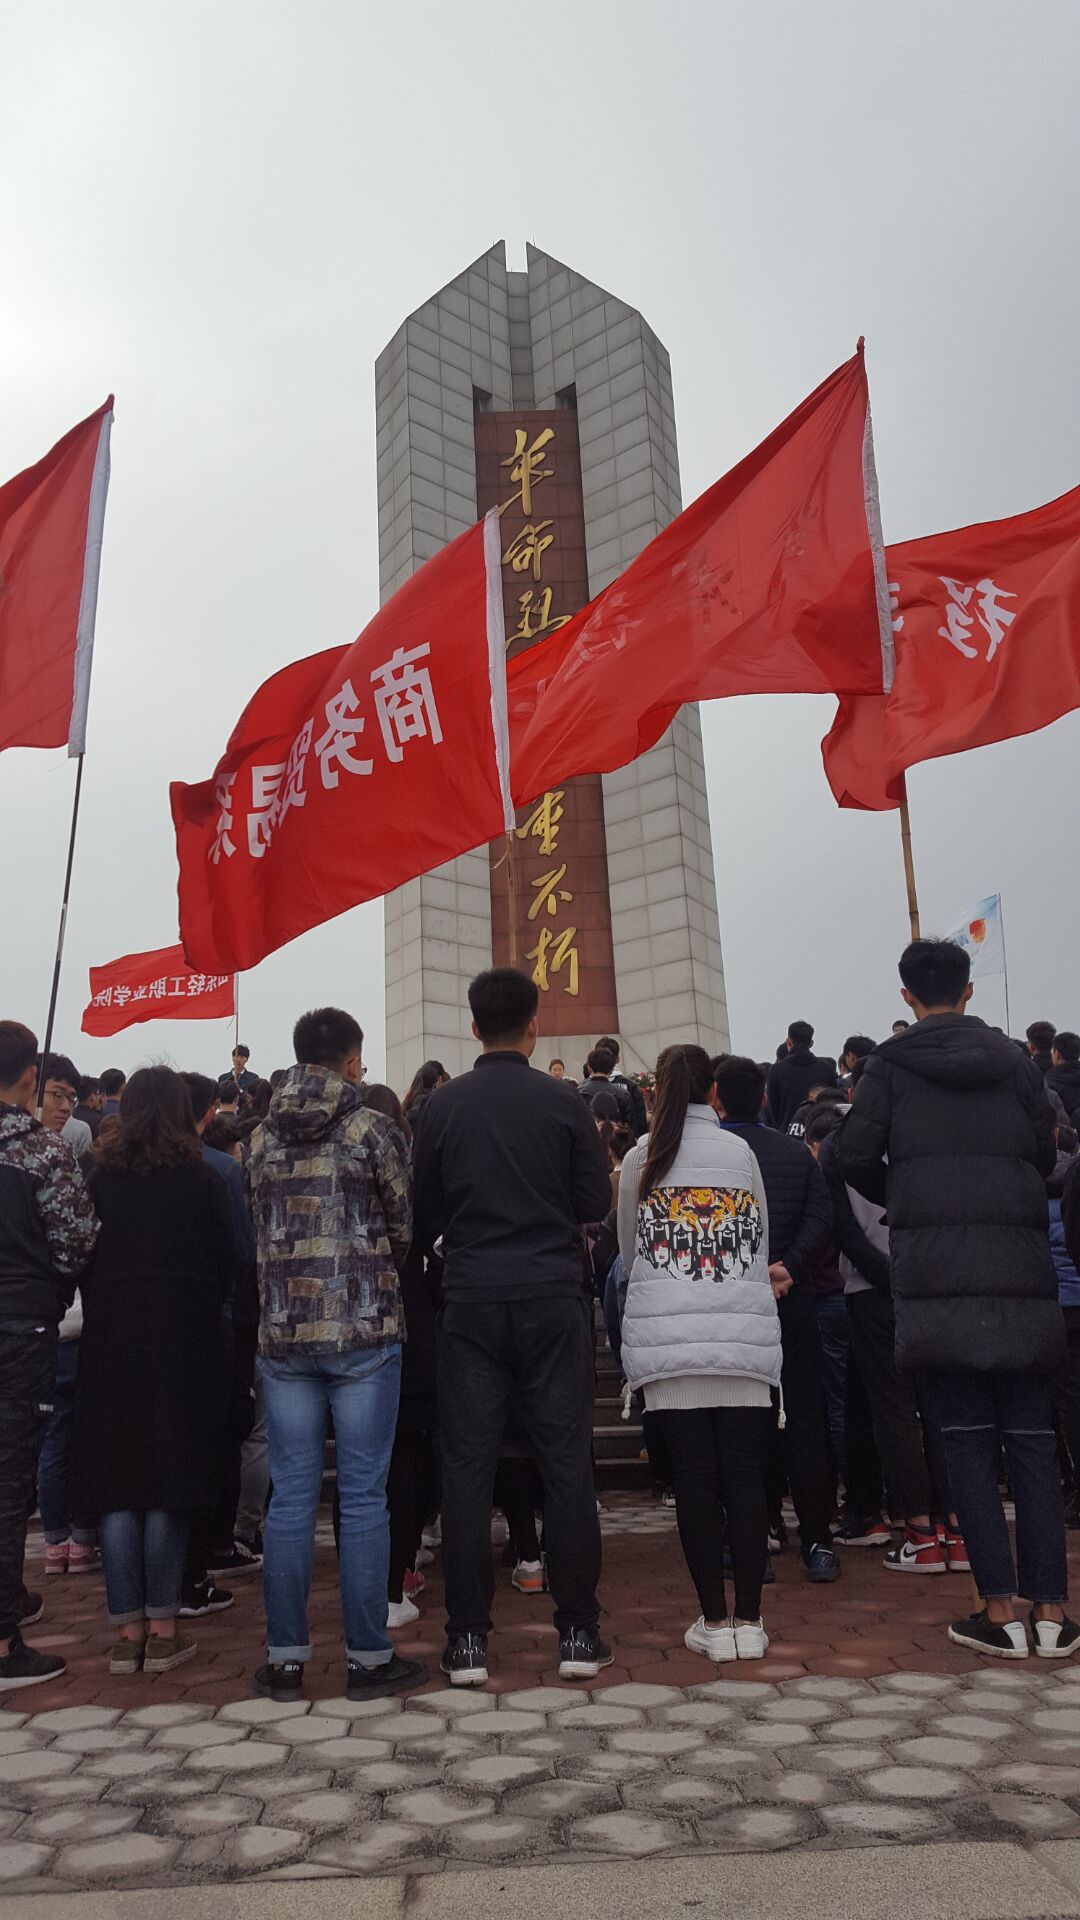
[982, 938]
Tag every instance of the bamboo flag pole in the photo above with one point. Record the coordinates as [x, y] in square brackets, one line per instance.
[909, 862]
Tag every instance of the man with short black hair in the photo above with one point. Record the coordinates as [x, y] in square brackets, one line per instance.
[1040, 1041]
[113, 1082]
[639, 1119]
[91, 1101]
[800, 1221]
[797, 1070]
[856, 1047]
[900, 1026]
[951, 1130]
[329, 1185]
[59, 1082]
[601, 1065]
[240, 1074]
[47, 1234]
[1064, 1074]
[508, 1168]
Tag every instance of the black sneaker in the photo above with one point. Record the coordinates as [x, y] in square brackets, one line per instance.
[1054, 1639]
[31, 1608]
[821, 1564]
[393, 1676]
[24, 1666]
[465, 1660]
[854, 1531]
[283, 1683]
[582, 1653]
[237, 1559]
[778, 1537]
[979, 1633]
[203, 1598]
[254, 1545]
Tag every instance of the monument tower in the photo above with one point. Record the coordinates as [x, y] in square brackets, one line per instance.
[540, 394]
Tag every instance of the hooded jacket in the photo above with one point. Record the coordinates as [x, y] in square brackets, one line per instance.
[1064, 1265]
[47, 1222]
[699, 1304]
[965, 1122]
[790, 1081]
[1065, 1081]
[332, 1211]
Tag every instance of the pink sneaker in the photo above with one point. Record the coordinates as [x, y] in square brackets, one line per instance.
[57, 1554]
[83, 1557]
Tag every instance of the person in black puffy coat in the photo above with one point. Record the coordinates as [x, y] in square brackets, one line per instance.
[963, 1120]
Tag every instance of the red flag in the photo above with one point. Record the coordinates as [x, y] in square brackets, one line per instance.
[356, 770]
[51, 519]
[154, 986]
[987, 624]
[772, 582]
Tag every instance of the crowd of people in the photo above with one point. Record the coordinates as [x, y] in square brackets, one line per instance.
[854, 1281]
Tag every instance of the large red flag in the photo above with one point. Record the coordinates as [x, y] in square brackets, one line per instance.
[155, 986]
[356, 770]
[51, 520]
[987, 629]
[772, 582]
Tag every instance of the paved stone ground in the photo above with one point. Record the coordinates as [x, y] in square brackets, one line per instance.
[862, 1728]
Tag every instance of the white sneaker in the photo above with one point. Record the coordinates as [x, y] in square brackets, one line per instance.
[424, 1558]
[401, 1613]
[751, 1640]
[432, 1536]
[1054, 1639]
[716, 1643]
[500, 1531]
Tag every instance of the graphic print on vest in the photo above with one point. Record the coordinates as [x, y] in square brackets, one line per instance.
[700, 1233]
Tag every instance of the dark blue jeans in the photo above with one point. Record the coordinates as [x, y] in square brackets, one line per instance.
[143, 1557]
[974, 1411]
[57, 1521]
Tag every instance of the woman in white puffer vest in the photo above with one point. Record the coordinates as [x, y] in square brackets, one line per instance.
[701, 1337]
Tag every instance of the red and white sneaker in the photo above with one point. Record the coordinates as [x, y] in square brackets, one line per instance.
[83, 1557]
[917, 1553]
[412, 1583]
[56, 1556]
[956, 1554]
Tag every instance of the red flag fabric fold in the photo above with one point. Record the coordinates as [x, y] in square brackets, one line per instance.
[987, 635]
[154, 986]
[772, 582]
[354, 770]
[51, 520]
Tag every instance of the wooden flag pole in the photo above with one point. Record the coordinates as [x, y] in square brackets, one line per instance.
[51, 1021]
[909, 863]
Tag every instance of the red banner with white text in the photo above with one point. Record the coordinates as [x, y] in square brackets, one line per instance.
[155, 986]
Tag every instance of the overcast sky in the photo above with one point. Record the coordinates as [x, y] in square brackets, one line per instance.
[222, 212]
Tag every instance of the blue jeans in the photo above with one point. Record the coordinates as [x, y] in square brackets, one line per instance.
[833, 1327]
[360, 1392]
[143, 1558]
[52, 1476]
[973, 1411]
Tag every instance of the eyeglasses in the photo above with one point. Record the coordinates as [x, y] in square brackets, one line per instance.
[62, 1097]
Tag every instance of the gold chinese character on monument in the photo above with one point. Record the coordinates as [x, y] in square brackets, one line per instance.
[549, 892]
[544, 822]
[552, 953]
[535, 617]
[527, 548]
[526, 465]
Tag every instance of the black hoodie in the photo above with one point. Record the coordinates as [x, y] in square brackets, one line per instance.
[966, 1125]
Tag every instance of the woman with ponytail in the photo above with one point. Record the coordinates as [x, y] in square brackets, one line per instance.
[701, 1337]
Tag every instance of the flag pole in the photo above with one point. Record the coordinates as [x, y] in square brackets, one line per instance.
[1004, 963]
[49, 1024]
[511, 898]
[909, 862]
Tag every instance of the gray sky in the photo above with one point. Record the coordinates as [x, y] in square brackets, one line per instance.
[222, 212]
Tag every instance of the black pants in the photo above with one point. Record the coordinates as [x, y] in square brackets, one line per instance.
[863, 1488]
[210, 1533]
[718, 1462]
[806, 1437]
[519, 1491]
[411, 1488]
[905, 1425]
[27, 1373]
[1066, 1390]
[537, 1356]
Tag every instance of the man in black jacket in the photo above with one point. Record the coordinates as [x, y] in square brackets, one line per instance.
[800, 1220]
[639, 1119]
[963, 1121]
[797, 1070]
[507, 1168]
[47, 1232]
[1064, 1075]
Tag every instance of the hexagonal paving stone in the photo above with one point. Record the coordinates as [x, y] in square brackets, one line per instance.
[1028, 1776]
[459, 1701]
[256, 1713]
[793, 1789]
[502, 1837]
[131, 1766]
[383, 1776]
[926, 1683]
[211, 1813]
[757, 1829]
[978, 1700]
[794, 1709]
[377, 1850]
[255, 1848]
[698, 1713]
[825, 1687]
[435, 1807]
[486, 1725]
[496, 1772]
[103, 1740]
[313, 1726]
[863, 1819]
[687, 1794]
[341, 1708]
[973, 1726]
[63, 1825]
[1057, 1720]
[348, 1751]
[664, 1741]
[409, 1730]
[862, 1727]
[74, 1719]
[734, 1691]
[165, 1715]
[916, 1783]
[625, 1833]
[617, 1766]
[1042, 1819]
[729, 1761]
[632, 1694]
[23, 1740]
[556, 1745]
[776, 1733]
[240, 1756]
[330, 1810]
[191, 1735]
[600, 1719]
[565, 1799]
[937, 1751]
[110, 1859]
[843, 1760]
[39, 1763]
[537, 1700]
[19, 1859]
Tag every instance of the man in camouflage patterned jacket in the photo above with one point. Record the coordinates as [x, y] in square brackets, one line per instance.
[47, 1233]
[332, 1209]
